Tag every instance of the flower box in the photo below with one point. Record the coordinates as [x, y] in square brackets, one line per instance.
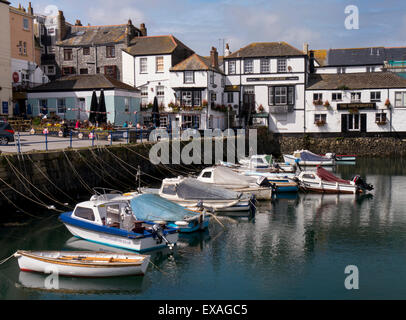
[320, 123]
[381, 123]
[326, 104]
[318, 102]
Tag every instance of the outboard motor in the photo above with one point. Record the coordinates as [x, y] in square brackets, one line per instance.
[263, 182]
[253, 206]
[158, 233]
[362, 184]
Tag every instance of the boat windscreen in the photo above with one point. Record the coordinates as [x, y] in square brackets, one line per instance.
[192, 189]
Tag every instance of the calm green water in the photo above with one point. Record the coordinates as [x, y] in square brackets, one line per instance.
[295, 248]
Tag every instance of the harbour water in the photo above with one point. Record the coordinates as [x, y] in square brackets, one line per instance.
[297, 247]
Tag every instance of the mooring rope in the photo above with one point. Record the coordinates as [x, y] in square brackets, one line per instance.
[6, 259]
[77, 174]
[48, 179]
[40, 191]
[18, 208]
[100, 162]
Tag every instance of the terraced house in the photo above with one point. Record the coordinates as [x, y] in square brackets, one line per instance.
[267, 80]
[94, 49]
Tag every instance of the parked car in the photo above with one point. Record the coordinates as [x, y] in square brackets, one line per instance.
[6, 133]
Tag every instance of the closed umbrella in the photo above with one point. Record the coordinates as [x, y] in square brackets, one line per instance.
[102, 116]
[155, 113]
[94, 107]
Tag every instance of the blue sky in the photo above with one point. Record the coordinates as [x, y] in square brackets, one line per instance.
[201, 24]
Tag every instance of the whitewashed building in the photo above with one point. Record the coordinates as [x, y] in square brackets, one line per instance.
[267, 83]
[198, 84]
[146, 66]
[369, 102]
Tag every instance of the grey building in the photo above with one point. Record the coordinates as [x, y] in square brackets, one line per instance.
[93, 49]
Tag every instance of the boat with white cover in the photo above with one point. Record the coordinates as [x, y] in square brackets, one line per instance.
[109, 219]
[194, 194]
[323, 181]
[224, 177]
[307, 158]
[83, 263]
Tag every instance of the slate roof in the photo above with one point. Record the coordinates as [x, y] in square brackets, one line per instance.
[94, 35]
[355, 81]
[266, 49]
[83, 82]
[196, 63]
[150, 45]
[364, 56]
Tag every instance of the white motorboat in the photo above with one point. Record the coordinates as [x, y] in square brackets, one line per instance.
[194, 194]
[265, 163]
[307, 158]
[83, 263]
[323, 181]
[109, 219]
[224, 177]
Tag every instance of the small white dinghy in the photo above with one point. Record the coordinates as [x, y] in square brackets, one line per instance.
[83, 263]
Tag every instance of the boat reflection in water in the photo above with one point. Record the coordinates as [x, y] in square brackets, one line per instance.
[65, 285]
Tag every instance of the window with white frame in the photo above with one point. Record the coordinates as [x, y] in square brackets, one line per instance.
[265, 66]
[380, 117]
[143, 65]
[160, 94]
[281, 95]
[26, 24]
[249, 66]
[211, 75]
[144, 95]
[353, 123]
[159, 64]
[213, 97]
[317, 96]
[232, 67]
[61, 105]
[375, 96]
[340, 70]
[281, 65]
[230, 97]
[355, 96]
[126, 104]
[187, 97]
[320, 118]
[336, 96]
[197, 98]
[189, 77]
[249, 89]
[400, 99]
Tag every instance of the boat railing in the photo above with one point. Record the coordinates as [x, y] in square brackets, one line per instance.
[101, 193]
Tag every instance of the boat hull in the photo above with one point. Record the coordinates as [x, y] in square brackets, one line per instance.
[292, 160]
[331, 188]
[66, 268]
[140, 244]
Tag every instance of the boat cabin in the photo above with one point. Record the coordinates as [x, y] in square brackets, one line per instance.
[114, 213]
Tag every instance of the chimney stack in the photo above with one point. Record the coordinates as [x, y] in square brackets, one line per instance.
[62, 30]
[30, 9]
[306, 48]
[78, 23]
[311, 61]
[143, 30]
[227, 51]
[214, 58]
